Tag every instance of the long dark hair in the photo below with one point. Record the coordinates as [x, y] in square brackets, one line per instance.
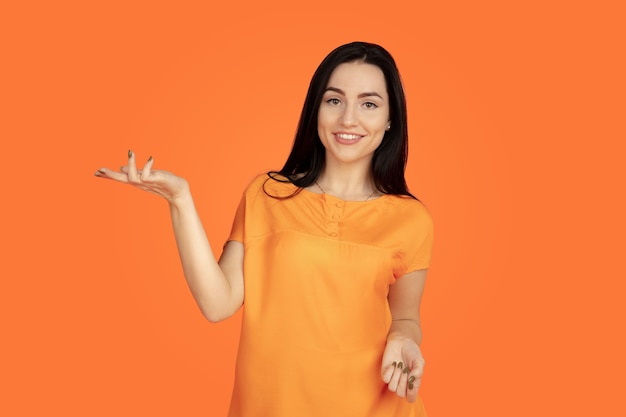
[307, 157]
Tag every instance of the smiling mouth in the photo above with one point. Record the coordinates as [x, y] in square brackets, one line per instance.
[346, 136]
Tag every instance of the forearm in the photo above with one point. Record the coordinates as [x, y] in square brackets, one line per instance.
[405, 329]
[206, 280]
[404, 302]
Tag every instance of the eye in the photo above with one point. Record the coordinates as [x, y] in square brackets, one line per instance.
[333, 101]
[370, 105]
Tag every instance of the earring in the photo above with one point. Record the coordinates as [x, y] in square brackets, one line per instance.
[389, 126]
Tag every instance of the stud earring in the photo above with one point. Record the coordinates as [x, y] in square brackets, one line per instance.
[389, 126]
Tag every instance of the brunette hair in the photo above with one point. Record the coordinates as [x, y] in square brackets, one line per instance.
[307, 156]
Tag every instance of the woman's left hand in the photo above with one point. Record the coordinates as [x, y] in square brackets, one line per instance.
[402, 367]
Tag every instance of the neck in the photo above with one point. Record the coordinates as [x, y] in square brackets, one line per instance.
[348, 183]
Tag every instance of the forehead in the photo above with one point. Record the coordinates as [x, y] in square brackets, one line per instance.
[357, 77]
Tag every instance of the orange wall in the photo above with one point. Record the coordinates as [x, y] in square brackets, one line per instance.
[517, 147]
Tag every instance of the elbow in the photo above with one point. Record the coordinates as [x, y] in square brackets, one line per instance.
[217, 310]
[216, 316]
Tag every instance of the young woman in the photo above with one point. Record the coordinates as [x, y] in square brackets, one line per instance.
[330, 252]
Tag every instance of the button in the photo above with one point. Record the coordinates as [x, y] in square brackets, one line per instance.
[339, 204]
[333, 234]
[335, 216]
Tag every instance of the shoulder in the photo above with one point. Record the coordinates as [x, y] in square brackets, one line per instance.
[409, 209]
[408, 218]
[270, 184]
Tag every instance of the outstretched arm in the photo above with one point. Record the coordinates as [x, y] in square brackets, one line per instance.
[403, 364]
[216, 287]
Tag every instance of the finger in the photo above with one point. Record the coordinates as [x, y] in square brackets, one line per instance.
[133, 177]
[145, 173]
[414, 380]
[417, 368]
[395, 378]
[413, 384]
[124, 169]
[112, 175]
[402, 382]
[387, 372]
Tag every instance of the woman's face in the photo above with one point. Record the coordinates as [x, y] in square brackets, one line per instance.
[354, 113]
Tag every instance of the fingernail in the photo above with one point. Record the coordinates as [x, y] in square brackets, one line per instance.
[99, 172]
[130, 153]
[411, 379]
[400, 365]
[150, 159]
[406, 370]
[411, 385]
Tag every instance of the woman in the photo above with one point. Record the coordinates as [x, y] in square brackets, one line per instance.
[332, 251]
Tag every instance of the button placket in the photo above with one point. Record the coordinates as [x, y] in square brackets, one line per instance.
[334, 213]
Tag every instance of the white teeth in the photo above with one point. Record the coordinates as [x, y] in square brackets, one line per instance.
[348, 137]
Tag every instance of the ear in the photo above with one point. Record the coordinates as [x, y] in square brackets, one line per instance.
[388, 125]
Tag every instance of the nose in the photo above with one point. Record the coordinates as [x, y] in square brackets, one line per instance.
[349, 117]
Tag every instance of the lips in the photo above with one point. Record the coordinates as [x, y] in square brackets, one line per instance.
[347, 138]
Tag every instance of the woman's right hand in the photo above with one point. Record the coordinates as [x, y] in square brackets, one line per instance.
[217, 287]
[162, 183]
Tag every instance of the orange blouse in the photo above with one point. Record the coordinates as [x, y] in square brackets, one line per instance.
[317, 271]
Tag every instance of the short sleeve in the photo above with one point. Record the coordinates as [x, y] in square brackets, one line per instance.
[237, 230]
[420, 253]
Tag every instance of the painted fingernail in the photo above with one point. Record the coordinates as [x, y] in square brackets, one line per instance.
[394, 364]
[99, 172]
[400, 365]
[406, 370]
[130, 153]
[411, 379]
[411, 385]
[150, 159]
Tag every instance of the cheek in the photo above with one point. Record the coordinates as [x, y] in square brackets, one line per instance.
[324, 116]
[379, 124]
[321, 126]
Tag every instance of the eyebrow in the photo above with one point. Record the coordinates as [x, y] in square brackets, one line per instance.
[366, 94]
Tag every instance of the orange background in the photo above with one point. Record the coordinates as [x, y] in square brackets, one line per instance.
[516, 116]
